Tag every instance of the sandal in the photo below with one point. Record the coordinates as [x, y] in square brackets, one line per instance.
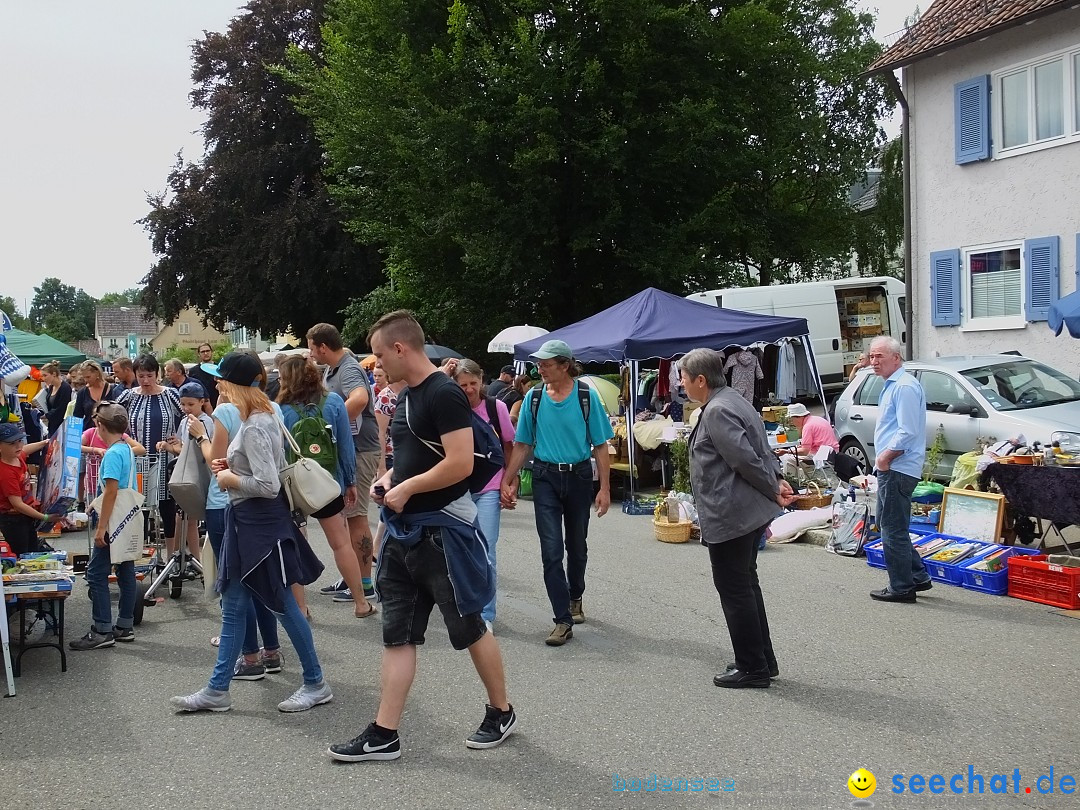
[372, 610]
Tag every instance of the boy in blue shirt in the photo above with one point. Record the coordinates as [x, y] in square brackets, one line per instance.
[116, 473]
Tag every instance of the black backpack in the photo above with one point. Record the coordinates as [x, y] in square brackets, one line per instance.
[584, 400]
[488, 457]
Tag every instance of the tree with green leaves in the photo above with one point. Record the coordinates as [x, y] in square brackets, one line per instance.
[11, 309]
[62, 311]
[125, 298]
[248, 235]
[528, 162]
[879, 230]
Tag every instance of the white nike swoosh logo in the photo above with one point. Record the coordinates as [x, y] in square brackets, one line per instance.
[503, 728]
[369, 748]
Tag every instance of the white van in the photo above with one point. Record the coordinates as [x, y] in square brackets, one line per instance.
[844, 315]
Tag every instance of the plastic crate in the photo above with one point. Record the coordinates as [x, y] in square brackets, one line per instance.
[639, 506]
[995, 582]
[875, 553]
[1034, 579]
[949, 573]
[922, 528]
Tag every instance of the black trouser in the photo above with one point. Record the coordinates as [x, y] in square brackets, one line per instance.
[734, 571]
[20, 531]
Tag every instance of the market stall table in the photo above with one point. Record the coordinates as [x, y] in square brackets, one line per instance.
[1050, 493]
[49, 606]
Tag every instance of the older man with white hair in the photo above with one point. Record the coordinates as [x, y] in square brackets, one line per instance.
[900, 443]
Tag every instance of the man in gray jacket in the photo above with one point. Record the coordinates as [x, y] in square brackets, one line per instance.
[738, 491]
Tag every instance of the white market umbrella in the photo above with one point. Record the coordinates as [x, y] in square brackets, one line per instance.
[504, 342]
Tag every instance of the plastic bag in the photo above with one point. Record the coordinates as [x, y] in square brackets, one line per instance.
[850, 529]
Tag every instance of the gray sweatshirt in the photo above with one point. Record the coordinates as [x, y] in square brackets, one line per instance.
[256, 454]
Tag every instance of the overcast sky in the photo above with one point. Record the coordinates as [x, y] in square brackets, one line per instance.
[94, 109]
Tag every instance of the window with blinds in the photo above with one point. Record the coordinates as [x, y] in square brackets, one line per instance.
[997, 283]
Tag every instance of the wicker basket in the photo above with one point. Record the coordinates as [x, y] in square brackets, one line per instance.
[812, 501]
[672, 532]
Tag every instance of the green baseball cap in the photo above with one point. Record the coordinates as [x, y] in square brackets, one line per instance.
[553, 348]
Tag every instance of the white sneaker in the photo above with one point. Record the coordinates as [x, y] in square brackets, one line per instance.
[205, 700]
[307, 697]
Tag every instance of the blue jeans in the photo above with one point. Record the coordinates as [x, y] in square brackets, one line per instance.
[903, 562]
[487, 513]
[97, 577]
[563, 500]
[259, 618]
[235, 606]
[215, 530]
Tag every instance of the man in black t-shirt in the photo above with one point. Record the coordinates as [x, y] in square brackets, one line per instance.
[427, 496]
[500, 383]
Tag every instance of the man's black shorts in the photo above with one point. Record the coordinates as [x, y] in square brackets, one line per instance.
[411, 581]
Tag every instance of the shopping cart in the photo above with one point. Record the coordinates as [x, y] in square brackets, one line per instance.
[180, 566]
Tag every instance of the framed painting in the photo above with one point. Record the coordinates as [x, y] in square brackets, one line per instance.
[974, 515]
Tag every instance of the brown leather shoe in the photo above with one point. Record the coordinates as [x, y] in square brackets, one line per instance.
[576, 611]
[560, 635]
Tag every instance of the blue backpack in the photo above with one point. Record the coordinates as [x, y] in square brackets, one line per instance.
[488, 457]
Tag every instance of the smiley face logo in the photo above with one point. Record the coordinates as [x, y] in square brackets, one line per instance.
[862, 784]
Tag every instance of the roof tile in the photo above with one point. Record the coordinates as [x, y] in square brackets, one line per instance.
[123, 321]
[949, 23]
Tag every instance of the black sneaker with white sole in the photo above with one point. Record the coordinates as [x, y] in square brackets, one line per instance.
[330, 590]
[496, 727]
[124, 634]
[93, 641]
[369, 745]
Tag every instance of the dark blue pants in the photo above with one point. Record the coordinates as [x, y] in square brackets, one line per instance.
[562, 501]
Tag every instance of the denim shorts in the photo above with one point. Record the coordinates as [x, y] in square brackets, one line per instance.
[411, 581]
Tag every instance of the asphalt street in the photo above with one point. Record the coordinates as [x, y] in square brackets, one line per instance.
[960, 679]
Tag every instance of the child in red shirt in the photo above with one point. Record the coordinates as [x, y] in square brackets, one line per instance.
[19, 509]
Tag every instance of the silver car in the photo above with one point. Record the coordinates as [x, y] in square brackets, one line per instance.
[998, 396]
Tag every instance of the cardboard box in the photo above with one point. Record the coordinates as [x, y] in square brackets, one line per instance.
[866, 308]
[58, 483]
[851, 358]
[867, 331]
[848, 369]
[858, 321]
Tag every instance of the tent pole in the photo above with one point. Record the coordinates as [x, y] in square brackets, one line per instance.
[814, 369]
[630, 444]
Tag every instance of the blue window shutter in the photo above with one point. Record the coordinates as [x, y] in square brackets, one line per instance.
[1040, 277]
[972, 98]
[945, 288]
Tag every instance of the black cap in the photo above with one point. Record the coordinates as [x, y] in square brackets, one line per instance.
[506, 370]
[239, 368]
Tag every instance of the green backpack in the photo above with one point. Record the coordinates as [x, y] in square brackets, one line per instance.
[314, 436]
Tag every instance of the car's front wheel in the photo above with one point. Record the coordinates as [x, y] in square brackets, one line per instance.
[852, 448]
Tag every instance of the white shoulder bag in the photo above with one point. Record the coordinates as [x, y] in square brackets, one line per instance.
[308, 486]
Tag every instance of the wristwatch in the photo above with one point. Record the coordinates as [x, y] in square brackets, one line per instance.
[200, 439]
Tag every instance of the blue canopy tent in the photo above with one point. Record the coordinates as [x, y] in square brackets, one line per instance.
[1065, 314]
[658, 325]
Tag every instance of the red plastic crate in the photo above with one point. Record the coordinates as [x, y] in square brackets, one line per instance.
[1034, 579]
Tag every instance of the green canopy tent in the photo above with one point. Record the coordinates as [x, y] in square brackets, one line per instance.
[36, 350]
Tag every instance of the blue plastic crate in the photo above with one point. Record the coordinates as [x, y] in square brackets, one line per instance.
[950, 573]
[639, 506]
[996, 582]
[922, 528]
[875, 554]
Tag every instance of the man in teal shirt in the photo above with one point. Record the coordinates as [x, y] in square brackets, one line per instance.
[900, 443]
[564, 443]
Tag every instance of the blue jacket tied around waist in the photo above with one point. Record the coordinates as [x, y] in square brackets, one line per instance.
[265, 551]
[464, 546]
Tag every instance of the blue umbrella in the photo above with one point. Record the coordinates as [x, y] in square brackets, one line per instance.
[1066, 313]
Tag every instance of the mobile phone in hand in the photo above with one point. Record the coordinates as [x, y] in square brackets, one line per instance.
[380, 491]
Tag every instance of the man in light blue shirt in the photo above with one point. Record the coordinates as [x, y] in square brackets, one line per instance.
[900, 442]
[568, 428]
